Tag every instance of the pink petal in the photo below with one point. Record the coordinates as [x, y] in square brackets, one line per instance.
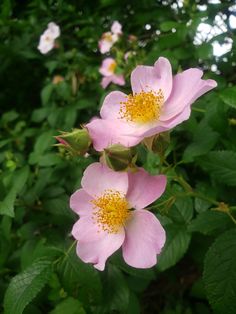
[144, 239]
[118, 79]
[187, 87]
[111, 105]
[144, 188]
[107, 132]
[86, 230]
[97, 252]
[104, 45]
[97, 178]
[80, 203]
[116, 28]
[106, 80]
[184, 115]
[146, 78]
[106, 63]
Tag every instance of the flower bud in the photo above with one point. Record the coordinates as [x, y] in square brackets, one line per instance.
[76, 142]
[158, 143]
[118, 157]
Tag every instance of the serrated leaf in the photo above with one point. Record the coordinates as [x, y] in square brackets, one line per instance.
[219, 273]
[116, 291]
[70, 305]
[201, 144]
[222, 166]
[24, 287]
[210, 222]
[228, 96]
[177, 243]
[182, 211]
[81, 277]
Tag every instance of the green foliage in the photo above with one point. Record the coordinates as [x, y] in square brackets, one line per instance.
[219, 273]
[42, 95]
[25, 286]
[69, 305]
[222, 165]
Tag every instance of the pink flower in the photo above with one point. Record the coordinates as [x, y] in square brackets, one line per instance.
[116, 28]
[107, 69]
[112, 215]
[47, 39]
[107, 41]
[159, 102]
[116, 79]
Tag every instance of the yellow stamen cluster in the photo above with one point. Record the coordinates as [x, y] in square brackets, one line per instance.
[107, 36]
[112, 67]
[142, 107]
[110, 211]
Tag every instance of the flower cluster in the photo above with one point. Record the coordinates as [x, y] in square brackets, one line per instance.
[109, 38]
[109, 65]
[107, 69]
[47, 39]
[111, 203]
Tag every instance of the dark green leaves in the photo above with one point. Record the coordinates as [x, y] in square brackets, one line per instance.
[222, 166]
[228, 95]
[69, 305]
[176, 245]
[220, 273]
[7, 204]
[24, 287]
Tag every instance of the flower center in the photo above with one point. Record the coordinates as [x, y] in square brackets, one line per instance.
[111, 211]
[142, 107]
[108, 37]
[112, 67]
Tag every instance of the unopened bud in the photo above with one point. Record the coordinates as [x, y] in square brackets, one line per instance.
[76, 142]
[118, 157]
[158, 143]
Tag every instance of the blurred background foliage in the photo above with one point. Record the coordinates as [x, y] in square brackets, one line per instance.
[39, 271]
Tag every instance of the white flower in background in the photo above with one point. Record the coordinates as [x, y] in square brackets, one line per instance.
[107, 41]
[109, 38]
[47, 39]
[108, 69]
[116, 28]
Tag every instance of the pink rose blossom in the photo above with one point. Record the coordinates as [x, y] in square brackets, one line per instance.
[159, 102]
[107, 69]
[116, 28]
[107, 41]
[47, 39]
[116, 79]
[112, 215]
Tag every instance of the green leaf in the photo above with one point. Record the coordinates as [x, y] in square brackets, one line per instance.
[116, 291]
[182, 210]
[168, 25]
[24, 287]
[70, 305]
[221, 165]
[201, 144]
[81, 277]
[177, 243]
[210, 222]
[7, 205]
[219, 273]
[46, 93]
[228, 96]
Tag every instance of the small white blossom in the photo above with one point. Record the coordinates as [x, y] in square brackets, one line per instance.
[116, 28]
[47, 39]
